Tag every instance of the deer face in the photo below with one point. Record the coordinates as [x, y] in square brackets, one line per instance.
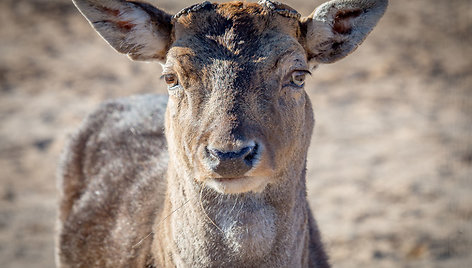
[238, 117]
[236, 96]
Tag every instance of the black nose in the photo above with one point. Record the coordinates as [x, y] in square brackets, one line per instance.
[232, 163]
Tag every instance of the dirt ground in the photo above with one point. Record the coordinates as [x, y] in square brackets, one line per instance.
[390, 164]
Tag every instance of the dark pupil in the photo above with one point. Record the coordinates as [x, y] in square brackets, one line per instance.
[299, 78]
[170, 79]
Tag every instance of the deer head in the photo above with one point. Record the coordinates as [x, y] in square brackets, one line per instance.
[238, 118]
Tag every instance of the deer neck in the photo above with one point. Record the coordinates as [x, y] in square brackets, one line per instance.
[202, 228]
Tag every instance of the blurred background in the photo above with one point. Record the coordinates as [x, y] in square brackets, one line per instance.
[390, 163]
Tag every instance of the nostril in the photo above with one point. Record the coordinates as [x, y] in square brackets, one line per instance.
[251, 155]
[230, 155]
[232, 163]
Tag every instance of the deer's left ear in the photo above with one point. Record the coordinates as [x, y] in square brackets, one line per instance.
[337, 27]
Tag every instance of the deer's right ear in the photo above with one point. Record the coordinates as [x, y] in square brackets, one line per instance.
[137, 29]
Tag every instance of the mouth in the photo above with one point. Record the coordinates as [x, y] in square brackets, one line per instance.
[237, 185]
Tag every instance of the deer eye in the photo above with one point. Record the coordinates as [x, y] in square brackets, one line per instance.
[171, 80]
[298, 78]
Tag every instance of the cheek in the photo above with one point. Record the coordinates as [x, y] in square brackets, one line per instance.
[179, 113]
[172, 134]
[291, 106]
[176, 110]
[291, 110]
[172, 108]
[182, 128]
[292, 99]
[176, 116]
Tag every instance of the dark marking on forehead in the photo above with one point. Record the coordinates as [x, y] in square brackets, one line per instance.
[236, 27]
[203, 50]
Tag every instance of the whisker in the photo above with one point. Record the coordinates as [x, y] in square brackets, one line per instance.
[141, 241]
[206, 215]
[165, 218]
[235, 202]
[240, 209]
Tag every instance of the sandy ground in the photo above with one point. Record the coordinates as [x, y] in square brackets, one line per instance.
[390, 164]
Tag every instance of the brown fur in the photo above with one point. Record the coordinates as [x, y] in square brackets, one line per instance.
[342, 23]
[134, 197]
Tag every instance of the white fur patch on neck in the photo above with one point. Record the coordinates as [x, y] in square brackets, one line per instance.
[248, 225]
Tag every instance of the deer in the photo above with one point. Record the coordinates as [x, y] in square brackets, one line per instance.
[214, 173]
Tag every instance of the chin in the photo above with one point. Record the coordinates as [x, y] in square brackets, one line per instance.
[237, 185]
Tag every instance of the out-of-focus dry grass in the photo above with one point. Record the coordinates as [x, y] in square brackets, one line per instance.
[390, 165]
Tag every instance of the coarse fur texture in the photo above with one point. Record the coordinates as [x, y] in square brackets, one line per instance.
[220, 182]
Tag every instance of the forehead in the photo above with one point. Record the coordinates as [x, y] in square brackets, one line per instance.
[240, 31]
